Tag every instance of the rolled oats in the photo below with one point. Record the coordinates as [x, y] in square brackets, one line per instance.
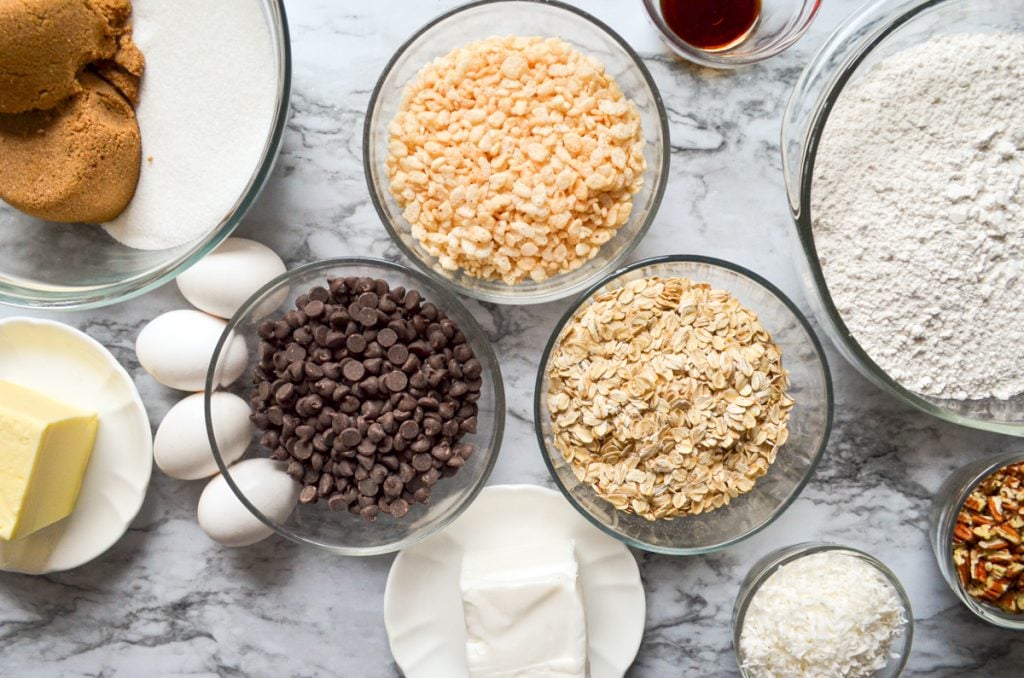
[668, 397]
[515, 158]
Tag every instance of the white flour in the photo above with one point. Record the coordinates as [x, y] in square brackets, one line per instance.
[205, 111]
[918, 214]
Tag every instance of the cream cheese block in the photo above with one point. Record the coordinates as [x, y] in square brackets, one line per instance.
[45, 447]
[524, 612]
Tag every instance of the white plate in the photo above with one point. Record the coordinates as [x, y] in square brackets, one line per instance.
[423, 603]
[66, 364]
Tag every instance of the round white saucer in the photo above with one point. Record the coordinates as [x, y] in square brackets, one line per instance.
[423, 602]
[63, 363]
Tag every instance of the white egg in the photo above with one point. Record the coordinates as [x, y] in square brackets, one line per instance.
[182, 448]
[222, 281]
[176, 349]
[267, 487]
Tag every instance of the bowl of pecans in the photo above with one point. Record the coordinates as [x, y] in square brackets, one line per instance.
[682, 404]
[516, 150]
[977, 524]
[376, 391]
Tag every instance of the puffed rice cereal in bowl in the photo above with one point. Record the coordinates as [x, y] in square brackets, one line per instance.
[515, 158]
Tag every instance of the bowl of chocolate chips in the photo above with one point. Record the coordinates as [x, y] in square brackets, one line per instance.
[379, 394]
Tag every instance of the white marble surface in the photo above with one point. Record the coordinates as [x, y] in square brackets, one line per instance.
[167, 601]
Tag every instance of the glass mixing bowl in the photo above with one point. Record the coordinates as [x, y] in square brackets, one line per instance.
[339, 531]
[873, 32]
[946, 505]
[519, 17]
[50, 265]
[809, 424]
[779, 25]
[767, 566]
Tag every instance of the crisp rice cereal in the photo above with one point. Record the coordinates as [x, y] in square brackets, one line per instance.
[515, 158]
[668, 397]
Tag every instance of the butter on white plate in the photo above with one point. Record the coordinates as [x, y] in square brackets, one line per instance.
[524, 612]
[45, 445]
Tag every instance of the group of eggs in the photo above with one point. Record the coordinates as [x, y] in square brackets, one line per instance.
[176, 349]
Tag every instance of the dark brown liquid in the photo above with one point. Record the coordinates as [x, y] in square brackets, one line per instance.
[711, 24]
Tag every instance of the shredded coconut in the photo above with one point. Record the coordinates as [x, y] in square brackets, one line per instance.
[918, 214]
[826, 614]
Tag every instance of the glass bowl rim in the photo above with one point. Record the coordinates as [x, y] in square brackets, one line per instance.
[100, 295]
[819, 351]
[716, 59]
[800, 210]
[443, 299]
[949, 506]
[554, 293]
[769, 564]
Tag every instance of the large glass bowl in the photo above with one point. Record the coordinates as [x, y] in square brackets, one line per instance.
[480, 20]
[769, 565]
[873, 32]
[339, 531]
[809, 424]
[50, 265]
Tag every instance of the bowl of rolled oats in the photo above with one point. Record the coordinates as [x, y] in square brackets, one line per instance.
[516, 150]
[682, 404]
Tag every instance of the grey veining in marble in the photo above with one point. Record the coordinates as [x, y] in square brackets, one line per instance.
[167, 601]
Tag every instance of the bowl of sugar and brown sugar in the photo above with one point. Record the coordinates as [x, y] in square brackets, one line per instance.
[134, 136]
[526, 163]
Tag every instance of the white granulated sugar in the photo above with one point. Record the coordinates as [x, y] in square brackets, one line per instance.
[918, 214]
[205, 111]
[826, 614]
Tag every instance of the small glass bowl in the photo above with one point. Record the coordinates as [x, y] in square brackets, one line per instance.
[767, 566]
[947, 504]
[63, 266]
[780, 24]
[479, 20]
[874, 32]
[809, 425]
[339, 531]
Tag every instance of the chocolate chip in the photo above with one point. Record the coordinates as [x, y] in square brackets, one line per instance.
[350, 437]
[365, 391]
[399, 507]
[396, 381]
[353, 370]
[355, 344]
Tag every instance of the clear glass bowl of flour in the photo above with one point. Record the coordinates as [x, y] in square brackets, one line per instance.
[51, 265]
[875, 32]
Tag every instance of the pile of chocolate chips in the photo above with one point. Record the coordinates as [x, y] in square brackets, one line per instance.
[366, 392]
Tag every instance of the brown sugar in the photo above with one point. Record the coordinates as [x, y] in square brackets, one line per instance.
[46, 44]
[78, 162]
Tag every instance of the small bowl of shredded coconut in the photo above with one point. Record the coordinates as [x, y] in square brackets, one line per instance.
[819, 609]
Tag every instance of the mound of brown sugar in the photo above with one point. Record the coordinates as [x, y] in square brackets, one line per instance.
[45, 45]
[78, 161]
[69, 77]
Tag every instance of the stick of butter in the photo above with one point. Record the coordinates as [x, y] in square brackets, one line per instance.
[524, 612]
[45, 446]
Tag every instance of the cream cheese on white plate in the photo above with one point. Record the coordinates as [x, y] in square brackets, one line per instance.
[524, 612]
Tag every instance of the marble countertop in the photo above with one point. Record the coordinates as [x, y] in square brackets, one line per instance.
[167, 601]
